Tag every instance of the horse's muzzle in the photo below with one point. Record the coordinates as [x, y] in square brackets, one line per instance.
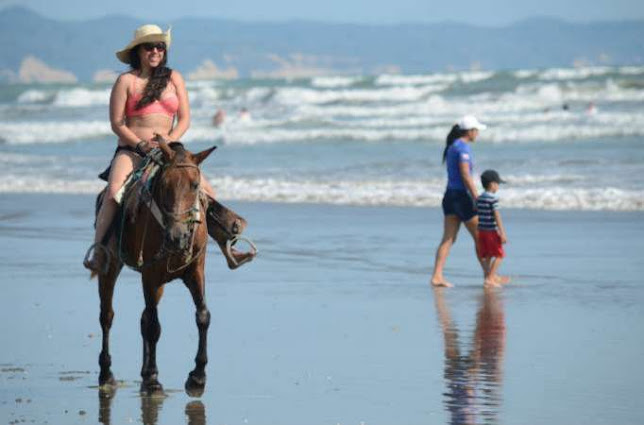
[178, 237]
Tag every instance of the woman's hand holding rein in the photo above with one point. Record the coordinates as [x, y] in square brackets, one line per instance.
[145, 146]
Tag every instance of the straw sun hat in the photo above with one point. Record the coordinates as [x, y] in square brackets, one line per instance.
[144, 34]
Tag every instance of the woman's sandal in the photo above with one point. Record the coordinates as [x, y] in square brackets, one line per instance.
[95, 265]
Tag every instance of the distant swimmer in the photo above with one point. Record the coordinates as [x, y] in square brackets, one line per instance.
[219, 118]
[592, 109]
[565, 107]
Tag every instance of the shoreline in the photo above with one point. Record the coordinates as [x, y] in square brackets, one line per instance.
[304, 204]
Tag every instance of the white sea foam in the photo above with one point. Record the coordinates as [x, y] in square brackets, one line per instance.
[415, 80]
[504, 127]
[299, 96]
[334, 82]
[631, 70]
[80, 97]
[253, 136]
[34, 96]
[409, 193]
[39, 184]
[52, 131]
[439, 80]
[524, 73]
[574, 73]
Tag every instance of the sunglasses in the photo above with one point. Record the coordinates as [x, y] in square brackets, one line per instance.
[148, 47]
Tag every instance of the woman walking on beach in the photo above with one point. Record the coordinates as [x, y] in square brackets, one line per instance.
[150, 99]
[460, 195]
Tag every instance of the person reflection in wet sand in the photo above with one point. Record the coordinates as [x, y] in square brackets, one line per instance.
[474, 380]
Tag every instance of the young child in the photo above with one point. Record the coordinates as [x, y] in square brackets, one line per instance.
[491, 231]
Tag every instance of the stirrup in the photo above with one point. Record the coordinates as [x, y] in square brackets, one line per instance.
[233, 263]
[91, 264]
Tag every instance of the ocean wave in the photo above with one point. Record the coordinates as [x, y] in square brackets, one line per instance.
[66, 98]
[81, 97]
[574, 73]
[508, 127]
[52, 131]
[299, 96]
[34, 96]
[410, 193]
[334, 82]
[443, 80]
[242, 136]
[631, 70]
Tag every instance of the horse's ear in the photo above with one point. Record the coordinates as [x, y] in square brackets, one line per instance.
[201, 156]
[168, 153]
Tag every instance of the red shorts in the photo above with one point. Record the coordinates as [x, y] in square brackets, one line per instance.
[490, 244]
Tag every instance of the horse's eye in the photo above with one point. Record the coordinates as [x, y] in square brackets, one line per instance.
[194, 185]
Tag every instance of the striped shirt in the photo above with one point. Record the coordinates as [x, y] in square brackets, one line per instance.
[486, 204]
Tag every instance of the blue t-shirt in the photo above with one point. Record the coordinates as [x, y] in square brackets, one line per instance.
[458, 152]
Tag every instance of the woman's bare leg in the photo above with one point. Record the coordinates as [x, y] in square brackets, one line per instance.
[450, 230]
[122, 165]
[207, 187]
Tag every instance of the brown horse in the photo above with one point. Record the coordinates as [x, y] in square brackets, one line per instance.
[161, 232]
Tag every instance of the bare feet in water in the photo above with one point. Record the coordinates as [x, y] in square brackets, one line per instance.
[502, 280]
[496, 281]
[491, 283]
[441, 283]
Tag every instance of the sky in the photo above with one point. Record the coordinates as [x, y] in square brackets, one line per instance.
[480, 12]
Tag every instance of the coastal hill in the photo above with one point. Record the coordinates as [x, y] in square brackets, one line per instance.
[214, 48]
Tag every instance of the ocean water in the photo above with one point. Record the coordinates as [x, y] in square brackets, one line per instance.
[361, 140]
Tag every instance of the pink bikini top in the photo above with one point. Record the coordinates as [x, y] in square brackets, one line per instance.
[168, 104]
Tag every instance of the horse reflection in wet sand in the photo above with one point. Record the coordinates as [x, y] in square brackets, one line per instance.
[170, 246]
[474, 381]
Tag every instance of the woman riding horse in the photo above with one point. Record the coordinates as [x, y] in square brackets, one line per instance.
[149, 100]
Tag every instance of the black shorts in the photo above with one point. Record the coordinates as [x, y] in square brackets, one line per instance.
[105, 175]
[458, 203]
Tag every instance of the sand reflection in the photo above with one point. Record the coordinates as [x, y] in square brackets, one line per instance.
[151, 407]
[474, 374]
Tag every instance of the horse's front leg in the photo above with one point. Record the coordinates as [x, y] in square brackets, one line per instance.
[196, 382]
[151, 332]
[106, 284]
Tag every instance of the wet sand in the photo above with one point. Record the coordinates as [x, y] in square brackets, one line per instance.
[335, 323]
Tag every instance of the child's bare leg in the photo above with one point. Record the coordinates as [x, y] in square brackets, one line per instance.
[485, 262]
[493, 278]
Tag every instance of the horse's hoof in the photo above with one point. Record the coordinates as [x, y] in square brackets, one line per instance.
[195, 385]
[151, 387]
[107, 382]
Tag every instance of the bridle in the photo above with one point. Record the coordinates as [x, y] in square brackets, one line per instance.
[191, 217]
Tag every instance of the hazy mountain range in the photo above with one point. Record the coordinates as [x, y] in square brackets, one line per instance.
[206, 47]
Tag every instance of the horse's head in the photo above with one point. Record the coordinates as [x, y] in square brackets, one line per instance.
[178, 193]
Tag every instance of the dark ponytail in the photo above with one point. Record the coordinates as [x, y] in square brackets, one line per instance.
[454, 134]
[158, 79]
